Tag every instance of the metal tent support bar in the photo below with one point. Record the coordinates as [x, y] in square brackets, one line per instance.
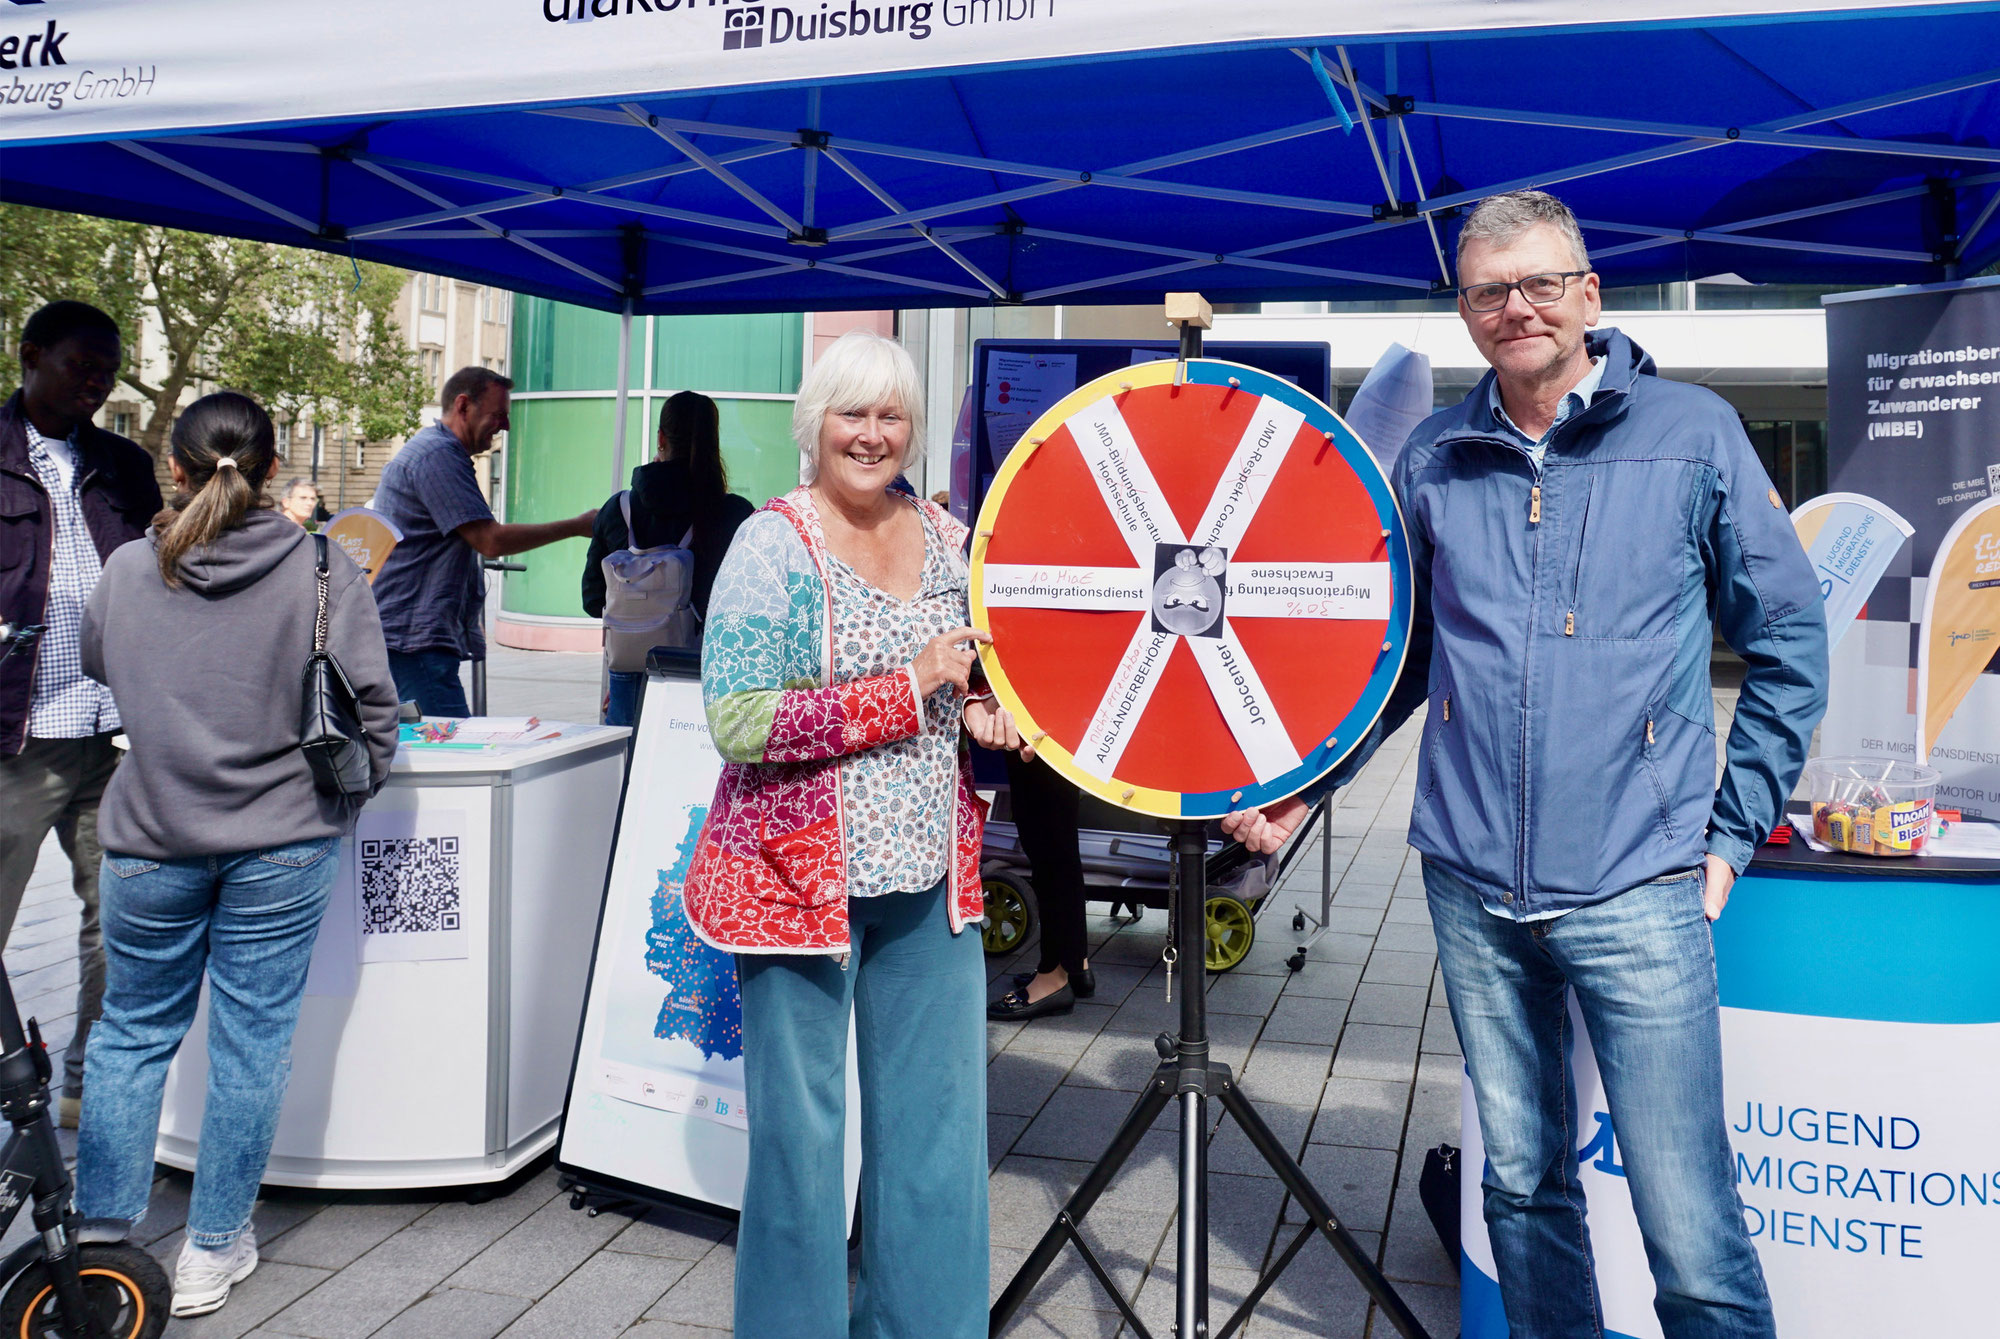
[766, 218]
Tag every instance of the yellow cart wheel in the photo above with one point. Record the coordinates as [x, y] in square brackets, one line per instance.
[1010, 914]
[1231, 932]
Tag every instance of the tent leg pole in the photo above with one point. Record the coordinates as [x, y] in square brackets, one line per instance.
[624, 396]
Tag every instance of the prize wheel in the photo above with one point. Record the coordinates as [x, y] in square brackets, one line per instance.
[1198, 586]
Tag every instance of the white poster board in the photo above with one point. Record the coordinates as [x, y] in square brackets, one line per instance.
[656, 1094]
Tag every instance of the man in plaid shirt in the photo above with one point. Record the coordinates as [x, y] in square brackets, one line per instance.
[70, 493]
[431, 590]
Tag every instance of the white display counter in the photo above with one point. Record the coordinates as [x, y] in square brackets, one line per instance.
[435, 1039]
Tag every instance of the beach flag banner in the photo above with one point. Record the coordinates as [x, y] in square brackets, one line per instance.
[1198, 586]
[1850, 540]
[365, 536]
[1961, 623]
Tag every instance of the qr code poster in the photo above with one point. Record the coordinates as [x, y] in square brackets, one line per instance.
[411, 870]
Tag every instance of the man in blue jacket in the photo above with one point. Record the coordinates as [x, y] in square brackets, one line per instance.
[1575, 526]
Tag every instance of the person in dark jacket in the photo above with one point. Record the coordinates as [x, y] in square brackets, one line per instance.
[686, 486]
[70, 493]
[219, 850]
[1578, 525]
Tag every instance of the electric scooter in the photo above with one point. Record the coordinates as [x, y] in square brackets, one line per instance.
[77, 1278]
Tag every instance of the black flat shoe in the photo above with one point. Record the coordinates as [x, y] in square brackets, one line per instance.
[1082, 982]
[1015, 1007]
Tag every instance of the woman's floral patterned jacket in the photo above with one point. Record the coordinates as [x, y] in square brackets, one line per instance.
[770, 872]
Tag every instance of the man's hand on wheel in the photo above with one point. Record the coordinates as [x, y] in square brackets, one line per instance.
[1265, 830]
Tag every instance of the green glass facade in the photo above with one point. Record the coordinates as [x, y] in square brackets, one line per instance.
[559, 447]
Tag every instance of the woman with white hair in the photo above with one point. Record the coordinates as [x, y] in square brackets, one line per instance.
[840, 861]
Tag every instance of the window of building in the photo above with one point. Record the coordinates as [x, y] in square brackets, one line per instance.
[430, 292]
[319, 449]
[432, 363]
[121, 423]
[1794, 455]
[1740, 296]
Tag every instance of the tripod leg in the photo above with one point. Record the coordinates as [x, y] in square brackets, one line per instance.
[1191, 1281]
[1321, 1213]
[1140, 1119]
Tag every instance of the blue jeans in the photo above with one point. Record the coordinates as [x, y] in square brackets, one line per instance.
[250, 919]
[621, 696]
[429, 679]
[1643, 968]
[918, 995]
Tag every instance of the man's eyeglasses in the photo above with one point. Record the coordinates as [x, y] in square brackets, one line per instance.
[1539, 289]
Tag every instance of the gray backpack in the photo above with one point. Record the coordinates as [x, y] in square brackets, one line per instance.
[648, 598]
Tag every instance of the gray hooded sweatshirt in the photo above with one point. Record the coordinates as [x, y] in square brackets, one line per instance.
[208, 681]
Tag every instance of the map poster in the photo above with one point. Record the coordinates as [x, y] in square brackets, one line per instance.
[656, 1098]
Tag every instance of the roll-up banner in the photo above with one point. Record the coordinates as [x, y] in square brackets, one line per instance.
[1850, 541]
[102, 67]
[1913, 419]
[1961, 625]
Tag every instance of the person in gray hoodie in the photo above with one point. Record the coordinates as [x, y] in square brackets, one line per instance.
[220, 852]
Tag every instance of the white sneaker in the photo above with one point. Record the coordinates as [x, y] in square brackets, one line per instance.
[202, 1279]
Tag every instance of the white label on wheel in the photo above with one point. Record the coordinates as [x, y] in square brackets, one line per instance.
[1244, 703]
[1124, 702]
[1029, 586]
[1254, 464]
[1308, 590]
[1131, 494]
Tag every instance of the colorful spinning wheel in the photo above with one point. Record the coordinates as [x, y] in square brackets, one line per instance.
[1199, 593]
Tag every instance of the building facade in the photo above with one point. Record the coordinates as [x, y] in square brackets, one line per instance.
[559, 458]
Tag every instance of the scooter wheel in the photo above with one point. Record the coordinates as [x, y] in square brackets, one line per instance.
[126, 1290]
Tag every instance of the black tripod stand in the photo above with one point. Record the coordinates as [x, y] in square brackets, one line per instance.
[1187, 1074]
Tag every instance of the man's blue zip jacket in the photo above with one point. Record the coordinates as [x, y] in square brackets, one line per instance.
[1561, 632]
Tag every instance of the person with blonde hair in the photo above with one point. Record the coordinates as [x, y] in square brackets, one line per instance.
[840, 861]
[219, 850]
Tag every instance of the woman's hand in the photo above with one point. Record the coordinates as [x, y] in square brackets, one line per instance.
[992, 726]
[1265, 830]
[944, 661]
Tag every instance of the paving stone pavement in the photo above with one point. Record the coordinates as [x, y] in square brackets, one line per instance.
[1351, 1061]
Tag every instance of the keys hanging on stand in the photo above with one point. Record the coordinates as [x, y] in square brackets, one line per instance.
[1170, 955]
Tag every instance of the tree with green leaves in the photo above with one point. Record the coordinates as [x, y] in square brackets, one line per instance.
[307, 334]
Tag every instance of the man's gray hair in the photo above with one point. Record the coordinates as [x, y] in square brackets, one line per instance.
[1499, 220]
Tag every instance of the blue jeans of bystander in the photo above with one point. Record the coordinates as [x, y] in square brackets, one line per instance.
[1643, 968]
[623, 689]
[918, 996]
[430, 679]
[249, 919]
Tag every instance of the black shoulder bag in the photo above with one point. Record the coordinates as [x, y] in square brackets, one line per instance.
[330, 732]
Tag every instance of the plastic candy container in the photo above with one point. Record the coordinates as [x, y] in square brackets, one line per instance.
[1871, 807]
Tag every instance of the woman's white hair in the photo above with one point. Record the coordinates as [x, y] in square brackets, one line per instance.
[862, 370]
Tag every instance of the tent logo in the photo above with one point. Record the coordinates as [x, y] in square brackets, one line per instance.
[743, 29]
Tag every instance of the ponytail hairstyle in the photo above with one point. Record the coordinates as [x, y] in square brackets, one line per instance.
[227, 447]
[692, 425]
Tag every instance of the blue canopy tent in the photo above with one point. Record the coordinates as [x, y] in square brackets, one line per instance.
[705, 155]
[1160, 145]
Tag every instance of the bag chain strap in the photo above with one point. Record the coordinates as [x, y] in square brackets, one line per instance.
[320, 574]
